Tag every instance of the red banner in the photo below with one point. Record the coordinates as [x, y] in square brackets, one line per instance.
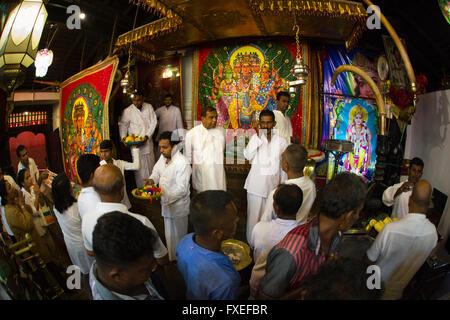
[84, 112]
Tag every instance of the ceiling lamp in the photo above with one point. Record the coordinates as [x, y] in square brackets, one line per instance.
[19, 42]
[44, 59]
[300, 70]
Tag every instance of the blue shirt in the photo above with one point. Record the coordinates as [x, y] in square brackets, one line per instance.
[208, 275]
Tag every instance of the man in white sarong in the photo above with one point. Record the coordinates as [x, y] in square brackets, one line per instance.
[169, 119]
[140, 119]
[106, 147]
[398, 194]
[204, 148]
[264, 152]
[284, 125]
[293, 161]
[172, 172]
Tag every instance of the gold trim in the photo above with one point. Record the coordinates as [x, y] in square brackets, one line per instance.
[310, 7]
[138, 53]
[149, 31]
[345, 9]
[155, 7]
[373, 87]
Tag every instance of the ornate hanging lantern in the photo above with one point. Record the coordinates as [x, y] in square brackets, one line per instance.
[300, 71]
[19, 42]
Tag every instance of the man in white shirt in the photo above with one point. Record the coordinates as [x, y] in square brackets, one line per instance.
[287, 200]
[88, 197]
[293, 161]
[398, 194]
[172, 172]
[108, 182]
[169, 117]
[106, 147]
[140, 119]
[284, 125]
[402, 246]
[204, 148]
[124, 263]
[264, 152]
[26, 162]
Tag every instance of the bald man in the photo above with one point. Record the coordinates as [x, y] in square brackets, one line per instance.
[293, 160]
[402, 247]
[108, 183]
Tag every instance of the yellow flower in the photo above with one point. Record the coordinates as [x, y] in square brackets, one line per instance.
[379, 226]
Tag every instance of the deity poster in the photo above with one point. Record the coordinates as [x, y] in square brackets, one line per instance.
[354, 120]
[241, 79]
[84, 112]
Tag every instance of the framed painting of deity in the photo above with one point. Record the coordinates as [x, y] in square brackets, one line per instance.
[84, 112]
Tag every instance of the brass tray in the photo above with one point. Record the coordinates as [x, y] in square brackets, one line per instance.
[239, 250]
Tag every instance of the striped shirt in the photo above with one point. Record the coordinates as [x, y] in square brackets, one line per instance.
[293, 258]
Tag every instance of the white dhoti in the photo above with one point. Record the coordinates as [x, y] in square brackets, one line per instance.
[175, 229]
[147, 163]
[255, 209]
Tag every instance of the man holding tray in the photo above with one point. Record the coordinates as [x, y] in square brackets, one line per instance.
[172, 172]
[140, 119]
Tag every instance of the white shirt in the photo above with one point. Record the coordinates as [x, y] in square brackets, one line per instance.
[265, 158]
[173, 178]
[204, 148]
[140, 122]
[70, 223]
[400, 249]
[400, 203]
[90, 220]
[265, 234]
[125, 165]
[169, 119]
[34, 171]
[283, 125]
[87, 200]
[309, 195]
[30, 199]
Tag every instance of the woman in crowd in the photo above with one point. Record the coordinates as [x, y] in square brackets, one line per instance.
[66, 211]
[32, 197]
[35, 199]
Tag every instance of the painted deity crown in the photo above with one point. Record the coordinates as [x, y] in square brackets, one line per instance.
[237, 60]
[78, 109]
[358, 110]
[247, 58]
[255, 59]
[266, 65]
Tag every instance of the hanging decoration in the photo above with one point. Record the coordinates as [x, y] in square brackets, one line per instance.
[19, 42]
[44, 59]
[300, 70]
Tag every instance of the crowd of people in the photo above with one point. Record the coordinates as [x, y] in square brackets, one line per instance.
[295, 252]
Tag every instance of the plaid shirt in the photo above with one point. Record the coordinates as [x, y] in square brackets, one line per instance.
[295, 257]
